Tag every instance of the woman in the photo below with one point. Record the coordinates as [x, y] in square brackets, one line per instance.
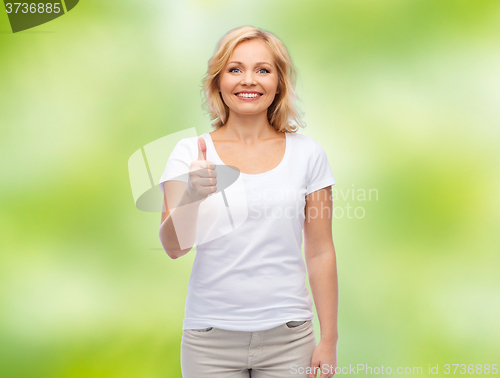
[248, 311]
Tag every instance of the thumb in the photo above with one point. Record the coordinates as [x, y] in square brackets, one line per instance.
[202, 149]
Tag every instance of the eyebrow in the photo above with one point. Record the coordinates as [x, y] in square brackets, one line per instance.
[255, 63]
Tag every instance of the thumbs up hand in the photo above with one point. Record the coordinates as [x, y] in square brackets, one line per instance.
[202, 179]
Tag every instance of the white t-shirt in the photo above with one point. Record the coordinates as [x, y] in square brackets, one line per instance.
[249, 273]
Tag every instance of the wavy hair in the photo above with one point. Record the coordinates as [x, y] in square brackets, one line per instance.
[281, 113]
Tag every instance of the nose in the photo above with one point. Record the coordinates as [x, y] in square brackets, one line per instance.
[248, 78]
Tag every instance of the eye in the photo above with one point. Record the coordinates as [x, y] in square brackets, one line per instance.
[231, 69]
[263, 69]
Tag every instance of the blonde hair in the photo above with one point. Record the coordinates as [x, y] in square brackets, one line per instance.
[282, 110]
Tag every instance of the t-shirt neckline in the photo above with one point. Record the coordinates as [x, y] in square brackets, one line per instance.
[257, 175]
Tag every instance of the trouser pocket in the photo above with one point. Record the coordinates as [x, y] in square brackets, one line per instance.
[295, 323]
[203, 329]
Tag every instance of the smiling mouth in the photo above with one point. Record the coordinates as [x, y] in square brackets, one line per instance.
[248, 95]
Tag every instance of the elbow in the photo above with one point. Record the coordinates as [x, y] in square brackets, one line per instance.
[172, 248]
[169, 251]
[176, 253]
[172, 255]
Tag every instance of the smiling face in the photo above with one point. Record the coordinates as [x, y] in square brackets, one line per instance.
[249, 81]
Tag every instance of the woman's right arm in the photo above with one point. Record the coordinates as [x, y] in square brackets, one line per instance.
[185, 212]
[178, 226]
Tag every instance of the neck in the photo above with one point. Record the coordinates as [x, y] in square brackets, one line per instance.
[247, 128]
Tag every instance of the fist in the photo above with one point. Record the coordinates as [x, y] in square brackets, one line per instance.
[202, 179]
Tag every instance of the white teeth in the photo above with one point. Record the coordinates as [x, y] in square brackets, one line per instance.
[248, 95]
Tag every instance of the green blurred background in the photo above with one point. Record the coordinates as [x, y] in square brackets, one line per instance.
[403, 95]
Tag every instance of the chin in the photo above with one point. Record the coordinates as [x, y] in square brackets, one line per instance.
[248, 112]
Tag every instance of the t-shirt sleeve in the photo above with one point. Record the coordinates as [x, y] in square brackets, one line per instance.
[321, 174]
[178, 163]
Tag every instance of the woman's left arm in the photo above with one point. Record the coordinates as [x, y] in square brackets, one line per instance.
[322, 270]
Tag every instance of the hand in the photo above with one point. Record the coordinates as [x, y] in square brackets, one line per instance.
[202, 175]
[324, 360]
